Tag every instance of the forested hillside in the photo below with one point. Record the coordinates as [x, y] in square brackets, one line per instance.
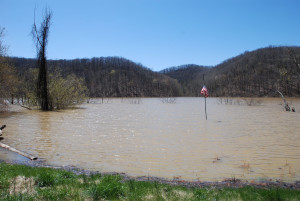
[111, 76]
[257, 73]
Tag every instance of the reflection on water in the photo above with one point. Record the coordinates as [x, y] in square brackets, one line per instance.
[148, 137]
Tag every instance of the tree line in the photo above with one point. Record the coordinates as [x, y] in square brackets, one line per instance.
[258, 73]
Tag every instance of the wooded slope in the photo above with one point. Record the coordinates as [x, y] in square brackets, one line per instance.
[112, 76]
[257, 73]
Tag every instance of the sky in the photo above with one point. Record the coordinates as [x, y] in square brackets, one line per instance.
[155, 33]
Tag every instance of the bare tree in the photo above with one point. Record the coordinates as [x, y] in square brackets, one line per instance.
[40, 37]
[3, 47]
[8, 79]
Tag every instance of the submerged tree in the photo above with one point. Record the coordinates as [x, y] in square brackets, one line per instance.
[40, 37]
[64, 92]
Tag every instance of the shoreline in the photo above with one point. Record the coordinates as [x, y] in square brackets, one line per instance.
[229, 182]
[226, 183]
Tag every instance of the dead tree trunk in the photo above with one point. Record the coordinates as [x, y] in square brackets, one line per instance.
[41, 39]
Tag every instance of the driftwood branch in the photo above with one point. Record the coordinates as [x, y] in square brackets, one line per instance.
[282, 97]
[28, 108]
[18, 152]
[286, 105]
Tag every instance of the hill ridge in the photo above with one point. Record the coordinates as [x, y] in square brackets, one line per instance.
[253, 73]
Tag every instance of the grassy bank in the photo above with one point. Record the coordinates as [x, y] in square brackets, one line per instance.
[19, 182]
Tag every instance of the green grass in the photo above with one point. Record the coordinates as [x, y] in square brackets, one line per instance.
[19, 182]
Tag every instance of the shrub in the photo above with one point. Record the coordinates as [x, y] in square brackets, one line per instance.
[63, 91]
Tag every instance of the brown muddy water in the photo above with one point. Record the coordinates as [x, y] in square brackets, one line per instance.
[146, 137]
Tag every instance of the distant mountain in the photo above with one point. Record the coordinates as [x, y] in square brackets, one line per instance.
[258, 73]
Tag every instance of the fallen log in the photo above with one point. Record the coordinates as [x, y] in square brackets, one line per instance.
[17, 151]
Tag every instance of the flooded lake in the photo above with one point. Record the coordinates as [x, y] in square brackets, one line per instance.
[146, 137]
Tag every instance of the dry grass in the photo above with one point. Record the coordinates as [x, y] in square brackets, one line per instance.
[21, 184]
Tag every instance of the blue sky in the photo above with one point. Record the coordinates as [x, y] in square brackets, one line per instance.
[155, 33]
